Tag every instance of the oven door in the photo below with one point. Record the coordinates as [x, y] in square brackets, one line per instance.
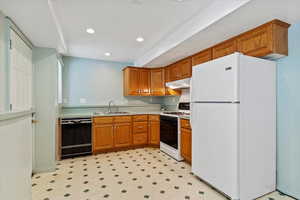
[169, 131]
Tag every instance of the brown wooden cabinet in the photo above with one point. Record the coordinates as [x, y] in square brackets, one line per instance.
[167, 74]
[269, 39]
[175, 72]
[140, 130]
[122, 135]
[224, 48]
[144, 82]
[186, 140]
[202, 57]
[111, 132]
[154, 130]
[170, 91]
[180, 70]
[185, 67]
[131, 84]
[136, 81]
[157, 82]
[103, 137]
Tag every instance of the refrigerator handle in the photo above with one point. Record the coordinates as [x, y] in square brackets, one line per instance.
[191, 115]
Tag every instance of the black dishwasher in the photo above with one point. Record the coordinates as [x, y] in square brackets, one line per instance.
[76, 137]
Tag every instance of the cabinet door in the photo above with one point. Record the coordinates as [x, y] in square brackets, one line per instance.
[225, 48]
[186, 144]
[185, 68]
[175, 72]
[103, 137]
[257, 42]
[167, 74]
[157, 82]
[154, 132]
[144, 82]
[123, 135]
[131, 81]
[202, 57]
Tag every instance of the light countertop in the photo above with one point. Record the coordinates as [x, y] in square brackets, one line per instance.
[82, 115]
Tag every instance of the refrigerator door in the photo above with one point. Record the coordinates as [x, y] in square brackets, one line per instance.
[215, 145]
[216, 80]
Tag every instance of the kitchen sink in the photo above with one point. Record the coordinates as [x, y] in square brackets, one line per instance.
[110, 113]
[116, 112]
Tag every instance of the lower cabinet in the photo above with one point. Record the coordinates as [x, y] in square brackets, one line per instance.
[186, 140]
[140, 130]
[122, 135]
[140, 138]
[154, 129]
[110, 133]
[103, 137]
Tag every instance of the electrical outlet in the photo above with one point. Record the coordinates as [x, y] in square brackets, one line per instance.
[82, 100]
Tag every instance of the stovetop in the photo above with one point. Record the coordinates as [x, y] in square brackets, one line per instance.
[176, 113]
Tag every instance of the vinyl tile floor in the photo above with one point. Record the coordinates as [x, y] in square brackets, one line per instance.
[138, 174]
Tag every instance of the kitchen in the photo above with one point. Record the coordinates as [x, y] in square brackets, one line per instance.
[211, 114]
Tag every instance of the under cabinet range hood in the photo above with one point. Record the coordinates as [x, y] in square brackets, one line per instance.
[179, 84]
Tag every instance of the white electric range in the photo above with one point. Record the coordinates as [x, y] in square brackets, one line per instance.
[170, 134]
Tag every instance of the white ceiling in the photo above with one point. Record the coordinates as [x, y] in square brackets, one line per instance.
[249, 16]
[172, 30]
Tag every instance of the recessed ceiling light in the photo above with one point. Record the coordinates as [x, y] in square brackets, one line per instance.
[90, 31]
[140, 39]
[107, 54]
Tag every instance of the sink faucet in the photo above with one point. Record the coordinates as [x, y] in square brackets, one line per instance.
[109, 105]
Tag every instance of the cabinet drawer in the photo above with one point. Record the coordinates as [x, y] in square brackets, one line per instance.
[154, 117]
[103, 120]
[140, 127]
[139, 118]
[140, 138]
[122, 119]
[185, 123]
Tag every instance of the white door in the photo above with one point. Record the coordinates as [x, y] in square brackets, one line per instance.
[215, 145]
[216, 80]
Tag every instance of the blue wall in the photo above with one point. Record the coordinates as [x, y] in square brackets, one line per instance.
[288, 111]
[97, 81]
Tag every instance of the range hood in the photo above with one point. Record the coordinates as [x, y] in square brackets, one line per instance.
[179, 84]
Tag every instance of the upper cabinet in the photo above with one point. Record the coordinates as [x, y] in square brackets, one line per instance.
[180, 70]
[185, 66]
[268, 40]
[157, 82]
[136, 81]
[174, 72]
[224, 48]
[146, 82]
[202, 57]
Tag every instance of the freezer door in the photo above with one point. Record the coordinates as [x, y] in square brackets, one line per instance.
[215, 145]
[216, 80]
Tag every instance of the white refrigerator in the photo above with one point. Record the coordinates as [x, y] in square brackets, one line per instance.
[233, 117]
